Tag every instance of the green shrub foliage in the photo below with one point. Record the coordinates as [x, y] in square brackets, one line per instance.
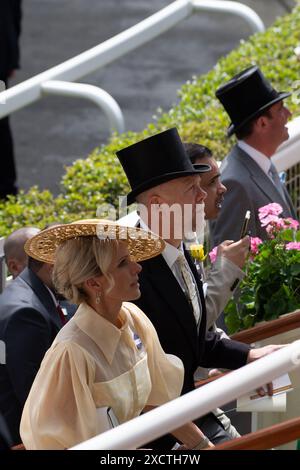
[99, 179]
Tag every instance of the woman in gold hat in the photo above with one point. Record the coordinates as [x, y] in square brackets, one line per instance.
[108, 356]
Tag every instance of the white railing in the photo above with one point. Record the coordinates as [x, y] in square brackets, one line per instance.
[288, 158]
[174, 414]
[89, 61]
[288, 153]
[100, 97]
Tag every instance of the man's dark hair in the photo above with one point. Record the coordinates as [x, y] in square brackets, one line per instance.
[196, 151]
[34, 264]
[247, 129]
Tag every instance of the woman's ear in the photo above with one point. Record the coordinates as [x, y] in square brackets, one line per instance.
[93, 284]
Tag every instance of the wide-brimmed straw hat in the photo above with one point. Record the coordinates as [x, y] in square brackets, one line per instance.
[142, 244]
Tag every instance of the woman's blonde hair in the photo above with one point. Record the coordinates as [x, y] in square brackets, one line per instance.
[79, 259]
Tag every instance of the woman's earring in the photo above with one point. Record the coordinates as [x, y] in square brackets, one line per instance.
[98, 298]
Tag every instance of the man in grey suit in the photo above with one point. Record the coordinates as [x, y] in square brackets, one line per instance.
[258, 119]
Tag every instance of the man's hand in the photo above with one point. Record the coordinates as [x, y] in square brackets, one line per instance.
[214, 373]
[236, 252]
[255, 354]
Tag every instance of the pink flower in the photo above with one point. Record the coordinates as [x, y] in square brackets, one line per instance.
[269, 209]
[213, 254]
[291, 223]
[273, 220]
[274, 226]
[254, 244]
[292, 246]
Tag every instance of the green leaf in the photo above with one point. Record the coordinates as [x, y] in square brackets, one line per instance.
[233, 322]
[287, 235]
[295, 269]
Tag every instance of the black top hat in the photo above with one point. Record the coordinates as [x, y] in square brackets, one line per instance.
[155, 160]
[246, 95]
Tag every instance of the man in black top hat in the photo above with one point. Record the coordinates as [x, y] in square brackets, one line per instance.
[258, 119]
[167, 188]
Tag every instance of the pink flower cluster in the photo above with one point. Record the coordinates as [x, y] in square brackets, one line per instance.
[213, 254]
[292, 246]
[254, 244]
[268, 216]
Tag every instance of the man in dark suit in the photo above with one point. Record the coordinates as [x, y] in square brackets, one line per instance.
[10, 28]
[258, 119]
[15, 257]
[5, 439]
[167, 188]
[29, 321]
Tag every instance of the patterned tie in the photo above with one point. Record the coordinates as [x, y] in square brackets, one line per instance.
[61, 314]
[191, 290]
[276, 180]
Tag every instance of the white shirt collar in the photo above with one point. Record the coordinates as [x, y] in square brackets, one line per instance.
[52, 295]
[103, 332]
[171, 253]
[262, 160]
[143, 225]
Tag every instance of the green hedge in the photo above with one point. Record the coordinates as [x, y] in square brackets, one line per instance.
[199, 117]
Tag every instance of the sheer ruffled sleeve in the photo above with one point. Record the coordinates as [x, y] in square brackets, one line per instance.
[60, 411]
[166, 370]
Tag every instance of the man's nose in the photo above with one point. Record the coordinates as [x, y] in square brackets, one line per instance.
[222, 189]
[288, 112]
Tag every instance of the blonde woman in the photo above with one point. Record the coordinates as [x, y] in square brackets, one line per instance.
[108, 355]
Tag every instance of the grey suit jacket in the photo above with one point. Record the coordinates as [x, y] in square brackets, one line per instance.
[248, 188]
[221, 281]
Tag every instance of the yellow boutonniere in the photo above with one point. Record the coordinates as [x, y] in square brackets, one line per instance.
[197, 252]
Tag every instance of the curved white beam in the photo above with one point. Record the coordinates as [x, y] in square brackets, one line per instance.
[235, 8]
[93, 93]
[97, 57]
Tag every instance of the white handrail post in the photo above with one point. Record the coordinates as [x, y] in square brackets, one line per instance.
[235, 8]
[99, 96]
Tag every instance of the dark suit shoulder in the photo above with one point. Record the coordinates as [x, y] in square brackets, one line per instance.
[20, 305]
[18, 294]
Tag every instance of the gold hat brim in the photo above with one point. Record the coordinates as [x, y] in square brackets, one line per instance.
[142, 244]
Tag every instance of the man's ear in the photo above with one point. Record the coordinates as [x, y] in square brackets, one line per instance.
[262, 123]
[155, 199]
[13, 267]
